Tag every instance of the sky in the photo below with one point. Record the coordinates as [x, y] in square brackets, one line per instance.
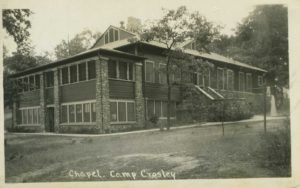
[56, 20]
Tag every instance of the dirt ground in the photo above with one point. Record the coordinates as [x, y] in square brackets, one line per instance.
[194, 153]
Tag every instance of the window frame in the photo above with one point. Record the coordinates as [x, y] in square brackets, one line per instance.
[82, 103]
[223, 80]
[244, 84]
[26, 109]
[153, 75]
[126, 111]
[227, 79]
[249, 75]
[161, 108]
[260, 81]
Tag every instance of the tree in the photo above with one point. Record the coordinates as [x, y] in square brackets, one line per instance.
[16, 22]
[134, 25]
[262, 40]
[175, 27]
[79, 43]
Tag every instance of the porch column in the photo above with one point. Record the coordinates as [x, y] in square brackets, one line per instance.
[42, 103]
[56, 97]
[102, 96]
[139, 99]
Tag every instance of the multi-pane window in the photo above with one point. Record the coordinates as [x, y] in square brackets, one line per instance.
[230, 80]
[49, 79]
[78, 72]
[249, 82]
[82, 71]
[162, 73]
[149, 71]
[73, 73]
[81, 112]
[29, 115]
[37, 81]
[241, 81]
[111, 36]
[260, 81]
[122, 111]
[65, 75]
[31, 83]
[220, 78]
[120, 70]
[160, 108]
[91, 69]
[25, 84]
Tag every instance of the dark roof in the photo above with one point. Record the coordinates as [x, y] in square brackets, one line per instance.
[211, 56]
[83, 55]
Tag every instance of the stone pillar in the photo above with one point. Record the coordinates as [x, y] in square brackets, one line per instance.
[139, 100]
[42, 103]
[56, 91]
[102, 96]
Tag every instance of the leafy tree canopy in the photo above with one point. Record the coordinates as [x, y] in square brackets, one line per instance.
[16, 22]
[79, 43]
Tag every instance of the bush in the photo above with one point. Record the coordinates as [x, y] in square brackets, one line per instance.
[276, 149]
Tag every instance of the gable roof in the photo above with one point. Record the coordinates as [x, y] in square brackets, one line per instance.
[114, 27]
[211, 56]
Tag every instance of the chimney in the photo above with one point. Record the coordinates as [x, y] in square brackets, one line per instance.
[122, 25]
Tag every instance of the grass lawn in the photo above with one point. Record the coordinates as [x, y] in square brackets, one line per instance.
[182, 154]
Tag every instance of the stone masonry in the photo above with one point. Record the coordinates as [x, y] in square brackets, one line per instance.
[139, 100]
[42, 103]
[56, 101]
[102, 96]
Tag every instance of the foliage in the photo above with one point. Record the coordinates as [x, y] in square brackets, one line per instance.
[16, 23]
[134, 25]
[81, 42]
[174, 28]
[276, 148]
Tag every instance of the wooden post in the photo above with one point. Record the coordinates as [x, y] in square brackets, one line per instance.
[265, 109]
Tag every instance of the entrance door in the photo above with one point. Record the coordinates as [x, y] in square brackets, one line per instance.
[50, 119]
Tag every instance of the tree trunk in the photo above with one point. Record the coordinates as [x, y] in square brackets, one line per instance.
[169, 94]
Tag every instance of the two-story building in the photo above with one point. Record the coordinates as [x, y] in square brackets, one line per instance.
[116, 85]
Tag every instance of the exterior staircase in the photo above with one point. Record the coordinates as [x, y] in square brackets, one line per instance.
[209, 93]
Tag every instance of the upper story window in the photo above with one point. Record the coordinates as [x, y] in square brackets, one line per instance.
[120, 70]
[241, 81]
[249, 81]
[260, 81]
[162, 73]
[111, 36]
[28, 83]
[230, 80]
[149, 71]
[49, 79]
[78, 72]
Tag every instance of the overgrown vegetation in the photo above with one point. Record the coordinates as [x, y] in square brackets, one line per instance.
[276, 149]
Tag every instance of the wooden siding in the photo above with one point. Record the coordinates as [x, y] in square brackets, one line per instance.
[78, 92]
[160, 92]
[121, 89]
[31, 98]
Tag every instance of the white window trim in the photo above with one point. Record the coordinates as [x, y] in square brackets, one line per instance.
[159, 73]
[26, 110]
[161, 108]
[126, 112]
[75, 115]
[153, 63]
[28, 76]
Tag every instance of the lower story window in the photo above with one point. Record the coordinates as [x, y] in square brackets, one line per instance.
[122, 111]
[78, 112]
[160, 108]
[29, 116]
